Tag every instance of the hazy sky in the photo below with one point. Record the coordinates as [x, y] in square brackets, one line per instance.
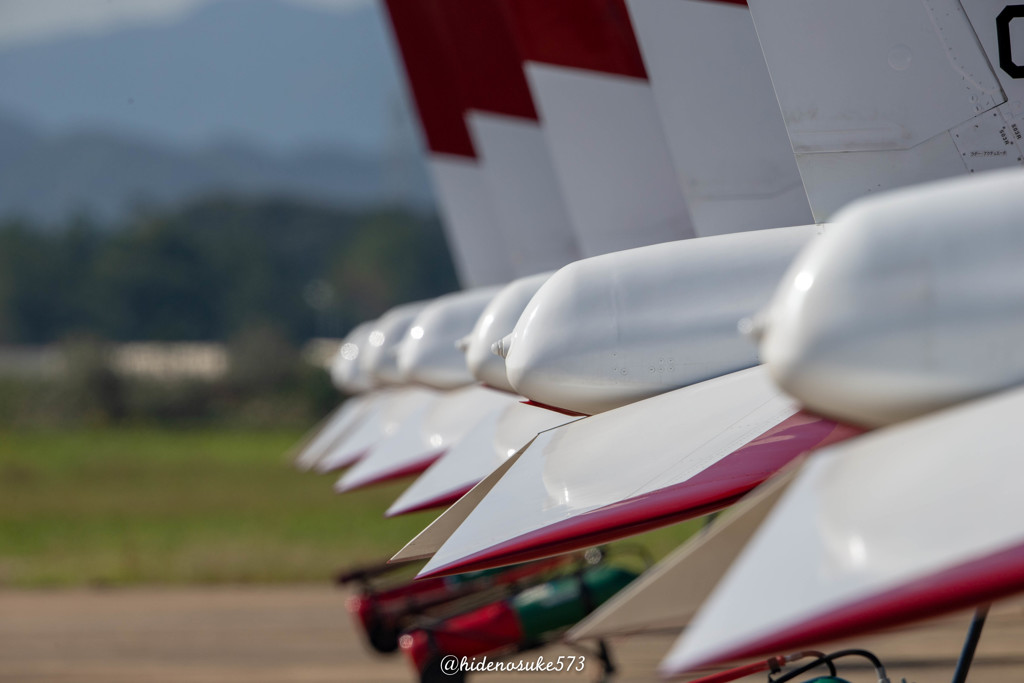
[26, 21]
[297, 74]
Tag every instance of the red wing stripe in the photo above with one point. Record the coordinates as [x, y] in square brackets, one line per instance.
[348, 461]
[719, 486]
[412, 468]
[977, 582]
[442, 500]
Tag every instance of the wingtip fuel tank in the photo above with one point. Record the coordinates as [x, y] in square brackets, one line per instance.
[913, 300]
[428, 354]
[618, 328]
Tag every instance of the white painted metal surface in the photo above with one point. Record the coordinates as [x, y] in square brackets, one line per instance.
[437, 532]
[453, 473]
[614, 329]
[497, 320]
[564, 473]
[346, 371]
[388, 415]
[471, 221]
[517, 169]
[873, 104]
[877, 516]
[666, 596]
[424, 434]
[398, 448]
[985, 18]
[609, 153]
[721, 119]
[333, 429]
[379, 356]
[489, 443]
[911, 301]
[428, 354]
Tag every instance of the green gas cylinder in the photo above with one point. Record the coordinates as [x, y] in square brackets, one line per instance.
[562, 602]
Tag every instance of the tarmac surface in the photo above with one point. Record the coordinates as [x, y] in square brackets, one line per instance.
[303, 635]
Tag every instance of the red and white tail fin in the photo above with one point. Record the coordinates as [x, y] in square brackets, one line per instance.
[472, 223]
[503, 124]
[722, 121]
[599, 117]
[879, 94]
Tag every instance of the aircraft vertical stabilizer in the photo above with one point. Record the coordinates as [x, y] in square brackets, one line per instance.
[506, 134]
[722, 121]
[605, 138]
[472, 223]
[878, 94]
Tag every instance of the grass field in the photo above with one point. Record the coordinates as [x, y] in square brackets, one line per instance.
[130, 506]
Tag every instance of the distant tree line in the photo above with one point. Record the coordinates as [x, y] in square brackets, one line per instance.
[262, 276]
[215, 268]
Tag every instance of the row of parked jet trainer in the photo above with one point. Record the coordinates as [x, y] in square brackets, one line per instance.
[645, 338]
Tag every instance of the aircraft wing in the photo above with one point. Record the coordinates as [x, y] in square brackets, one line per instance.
[668, 595]
[703, 447]
[492, 441]
[332, 429]
[427, 542]
[902, 524]
[385, 418]
[424, 435]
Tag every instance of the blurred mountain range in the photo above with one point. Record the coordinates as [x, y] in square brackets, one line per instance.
[246, 97]
[103, 175]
